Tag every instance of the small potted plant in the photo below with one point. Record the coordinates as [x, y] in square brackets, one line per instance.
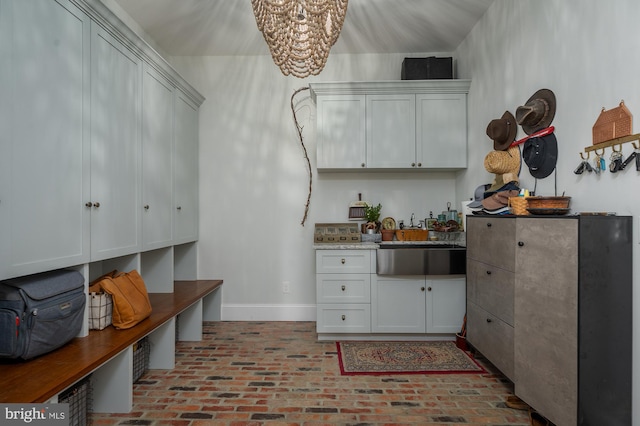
[372, 216]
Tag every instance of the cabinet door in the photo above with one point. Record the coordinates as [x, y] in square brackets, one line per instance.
[546, 317]
[157, 164]
[44, 98]
[115, 147]
[446, 304]
[341, 131]
[501, 232]
[391, 131]
[397, 304]
[441, 135]
[185, 209]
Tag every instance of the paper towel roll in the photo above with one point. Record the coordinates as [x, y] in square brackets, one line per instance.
[465, 211]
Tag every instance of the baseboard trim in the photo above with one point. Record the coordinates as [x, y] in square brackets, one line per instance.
[264, 312]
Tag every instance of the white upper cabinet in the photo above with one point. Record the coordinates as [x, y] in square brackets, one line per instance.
[397, 125]
[441, 132]
[341, 131]
[185, 183]
[44, 99]
[116, 88]
[391, 131]
[157, 160]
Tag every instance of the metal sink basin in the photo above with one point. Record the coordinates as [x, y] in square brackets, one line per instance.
[421, 259]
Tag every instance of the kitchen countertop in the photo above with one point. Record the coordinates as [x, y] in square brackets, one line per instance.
[375, 246]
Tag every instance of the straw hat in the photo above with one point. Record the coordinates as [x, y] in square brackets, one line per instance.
[502, 131]
[501, 162]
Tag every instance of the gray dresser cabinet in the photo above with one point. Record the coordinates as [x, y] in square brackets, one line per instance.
[548, 300]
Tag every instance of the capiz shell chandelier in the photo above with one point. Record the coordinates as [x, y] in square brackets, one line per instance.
[300, 33]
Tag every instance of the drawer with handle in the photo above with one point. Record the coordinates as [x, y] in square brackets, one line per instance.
[343, 261]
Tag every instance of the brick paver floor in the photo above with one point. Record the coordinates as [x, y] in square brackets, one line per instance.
[278, 373]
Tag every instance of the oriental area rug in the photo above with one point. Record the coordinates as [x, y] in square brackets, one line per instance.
[388, 358]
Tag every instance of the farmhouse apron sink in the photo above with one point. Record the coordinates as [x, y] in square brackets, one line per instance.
[421, 259]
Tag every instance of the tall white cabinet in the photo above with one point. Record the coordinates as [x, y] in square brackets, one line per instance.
[99, 148]
[116, 89]
[157, 160]
[44, 143]
[185, 185]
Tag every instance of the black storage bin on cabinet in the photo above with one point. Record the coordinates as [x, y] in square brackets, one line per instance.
[430, 68]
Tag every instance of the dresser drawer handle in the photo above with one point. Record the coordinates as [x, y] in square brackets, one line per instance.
[489, 320]
[488, 272]
[343, 261]
[344, 287]
[344, 317]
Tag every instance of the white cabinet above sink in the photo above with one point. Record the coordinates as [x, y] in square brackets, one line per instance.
[391, 125]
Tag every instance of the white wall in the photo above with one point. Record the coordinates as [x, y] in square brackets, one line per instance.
[254, 182]
[587, 52]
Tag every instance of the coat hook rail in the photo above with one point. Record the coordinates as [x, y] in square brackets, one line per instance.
[613, 142]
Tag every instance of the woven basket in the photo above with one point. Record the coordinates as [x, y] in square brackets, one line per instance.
[548, 202]
[518, 205]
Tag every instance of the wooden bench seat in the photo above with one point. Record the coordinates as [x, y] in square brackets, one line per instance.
[40, 379]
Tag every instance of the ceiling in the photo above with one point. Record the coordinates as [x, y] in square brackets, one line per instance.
[228, 27]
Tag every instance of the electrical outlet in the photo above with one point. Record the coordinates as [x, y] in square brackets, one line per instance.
[286, 288]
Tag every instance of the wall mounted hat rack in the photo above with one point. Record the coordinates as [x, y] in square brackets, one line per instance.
[617, 161]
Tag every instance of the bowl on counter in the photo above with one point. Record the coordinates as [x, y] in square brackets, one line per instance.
[548, 205]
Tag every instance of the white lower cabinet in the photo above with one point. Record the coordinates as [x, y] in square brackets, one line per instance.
[410, 304]
[343, 290]
[352, 299]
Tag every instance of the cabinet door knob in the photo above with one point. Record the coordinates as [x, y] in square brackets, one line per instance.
[520, 243]
[344, 317]
[343, 261]
[488, 272]
[88, 204]
[96, 205]
[413, 164]
[344, 287]
[179, 207]
[146, 207]
[488, 319]
[362, 165]
[428, 288]
[489, 225]
[419, 164]
[421, 288]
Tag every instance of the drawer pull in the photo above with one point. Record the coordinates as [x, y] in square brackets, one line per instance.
[344, 287]
[489, 225]
[489, 320]
[344, 317]
[343, 261]
[520, 243]
[488, 272]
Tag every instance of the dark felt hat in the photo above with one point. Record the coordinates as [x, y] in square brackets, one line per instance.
[541, 155]
[502, 131]
[538, 112]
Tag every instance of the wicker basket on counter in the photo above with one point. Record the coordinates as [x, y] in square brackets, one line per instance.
[519, 205]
